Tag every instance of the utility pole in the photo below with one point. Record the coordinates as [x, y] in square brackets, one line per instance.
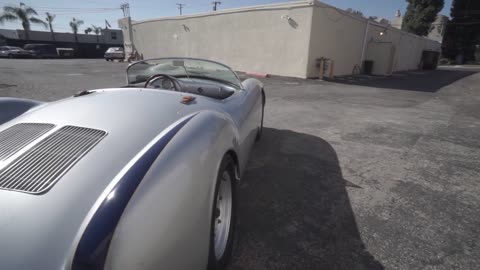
[126, 9]
[126, 14]
[215, 3]
[180, 7]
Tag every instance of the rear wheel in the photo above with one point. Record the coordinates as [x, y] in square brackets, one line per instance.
[223, 216]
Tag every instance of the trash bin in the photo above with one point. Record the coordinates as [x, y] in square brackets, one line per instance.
[367, 67]
[429, 60]
[65, 52]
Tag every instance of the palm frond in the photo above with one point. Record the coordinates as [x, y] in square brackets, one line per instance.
[50, 17]
[38, 21]
[96, 29]
[11, 9]
[20, 13]
[74, 24]
[30, 11]
[8, 18]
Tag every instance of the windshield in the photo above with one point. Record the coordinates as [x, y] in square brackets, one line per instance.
[182, 67]
[115, 49]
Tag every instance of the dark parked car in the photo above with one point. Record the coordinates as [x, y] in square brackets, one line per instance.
[14, 52]
[42, 50]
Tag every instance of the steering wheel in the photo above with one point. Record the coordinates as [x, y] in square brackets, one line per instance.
[165, 79]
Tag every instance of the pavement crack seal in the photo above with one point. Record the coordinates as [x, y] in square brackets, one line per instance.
[3, 85]
[350, 184]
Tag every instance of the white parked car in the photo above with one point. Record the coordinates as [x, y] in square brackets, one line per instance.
[114, 53]
[14, 52]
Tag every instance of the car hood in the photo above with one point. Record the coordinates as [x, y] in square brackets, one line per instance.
[37, 231]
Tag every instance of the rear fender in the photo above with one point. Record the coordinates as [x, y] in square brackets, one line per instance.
[168, 217]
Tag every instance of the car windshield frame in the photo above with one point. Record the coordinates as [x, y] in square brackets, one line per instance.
[115, 49]
[179, 67]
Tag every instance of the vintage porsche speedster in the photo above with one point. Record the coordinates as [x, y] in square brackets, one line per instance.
[138, 177]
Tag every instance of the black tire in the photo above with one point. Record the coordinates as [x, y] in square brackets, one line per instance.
[10, 56]
[213, 263]
[260, 128]
[106, 59]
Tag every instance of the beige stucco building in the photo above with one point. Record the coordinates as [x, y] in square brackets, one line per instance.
[281, 39]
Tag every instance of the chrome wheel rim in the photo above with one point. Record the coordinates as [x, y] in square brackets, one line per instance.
[223, 215]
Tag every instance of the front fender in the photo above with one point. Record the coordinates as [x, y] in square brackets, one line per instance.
[11, 108]
[166, 224]
[252, 84]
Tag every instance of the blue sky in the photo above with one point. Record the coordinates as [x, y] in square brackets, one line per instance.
[97, 11]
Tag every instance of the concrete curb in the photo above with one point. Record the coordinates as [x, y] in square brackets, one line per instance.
[258, 75]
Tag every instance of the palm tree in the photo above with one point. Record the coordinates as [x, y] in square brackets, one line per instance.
[88, 30]
[74, 24]
[97, 30]
[49, 19]
[24, 14]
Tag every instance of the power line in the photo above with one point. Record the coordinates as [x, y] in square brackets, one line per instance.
[82, 13]
[72, 8]
[59, 9]
[180, 7]
[196, 5]
[215, 3]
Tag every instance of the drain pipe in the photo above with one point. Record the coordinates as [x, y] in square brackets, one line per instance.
[364, 43]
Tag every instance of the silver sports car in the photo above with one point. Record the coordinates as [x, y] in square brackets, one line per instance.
[139, 177]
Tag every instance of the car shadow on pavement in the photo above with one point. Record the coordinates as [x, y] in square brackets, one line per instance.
[423, 81]
[294, 211]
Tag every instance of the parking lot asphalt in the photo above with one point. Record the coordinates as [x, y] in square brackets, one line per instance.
[360, 173]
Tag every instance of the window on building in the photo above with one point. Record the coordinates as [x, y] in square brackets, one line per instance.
[114, 35]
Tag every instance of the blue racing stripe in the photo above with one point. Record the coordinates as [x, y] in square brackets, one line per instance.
[92, 249]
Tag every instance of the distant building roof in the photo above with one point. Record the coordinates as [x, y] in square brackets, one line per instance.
[382, 21]
[107, 36]
[8, 33]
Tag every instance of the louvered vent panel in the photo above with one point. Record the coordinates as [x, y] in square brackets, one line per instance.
[18, 136]
[38, 169]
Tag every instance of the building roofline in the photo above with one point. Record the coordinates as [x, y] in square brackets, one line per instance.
[275, 6]
[366, 20]
[286, 5]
